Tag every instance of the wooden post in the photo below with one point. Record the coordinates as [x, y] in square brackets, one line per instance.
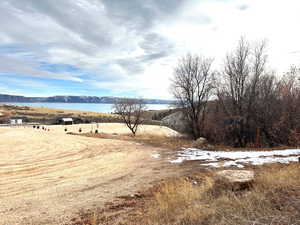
[258, 141]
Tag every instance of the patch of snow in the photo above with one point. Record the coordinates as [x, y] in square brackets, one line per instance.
[178, 160]
[237, 158]
[155, 155]
[223, 164]
[261, 161]
[232, 163]
[214, 165]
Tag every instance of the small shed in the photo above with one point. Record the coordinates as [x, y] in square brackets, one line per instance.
[17, 120]
[65, 120]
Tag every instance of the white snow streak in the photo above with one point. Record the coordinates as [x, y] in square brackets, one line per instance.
[156, 156]
[238, 159]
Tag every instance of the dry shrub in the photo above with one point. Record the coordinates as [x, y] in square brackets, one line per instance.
[294, 138]
[274, 199]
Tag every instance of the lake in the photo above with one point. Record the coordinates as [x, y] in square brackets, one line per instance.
[93, 107]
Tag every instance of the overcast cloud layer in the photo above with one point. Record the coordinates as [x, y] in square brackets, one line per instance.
[129, 48]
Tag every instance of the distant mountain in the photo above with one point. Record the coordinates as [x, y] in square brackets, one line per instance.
[73, 99]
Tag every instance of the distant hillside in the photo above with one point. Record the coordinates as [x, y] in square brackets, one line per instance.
[73, 99]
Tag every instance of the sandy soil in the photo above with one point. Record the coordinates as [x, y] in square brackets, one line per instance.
[112, 128]
[48, 177]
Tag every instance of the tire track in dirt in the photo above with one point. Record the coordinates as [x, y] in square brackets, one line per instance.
[48, 177]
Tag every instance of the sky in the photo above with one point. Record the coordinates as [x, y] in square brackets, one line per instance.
[129, 48]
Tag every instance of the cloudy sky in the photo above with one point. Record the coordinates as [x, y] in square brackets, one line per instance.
[130, 47]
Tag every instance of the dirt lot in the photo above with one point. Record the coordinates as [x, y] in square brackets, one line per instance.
[112, 128]
[48, 177]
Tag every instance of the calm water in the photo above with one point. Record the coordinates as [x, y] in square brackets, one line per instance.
[93, 107]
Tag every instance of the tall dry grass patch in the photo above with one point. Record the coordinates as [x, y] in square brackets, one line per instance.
[178, 200]
[273, 199]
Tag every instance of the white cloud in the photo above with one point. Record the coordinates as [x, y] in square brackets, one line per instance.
[10, 65]
[134, 45]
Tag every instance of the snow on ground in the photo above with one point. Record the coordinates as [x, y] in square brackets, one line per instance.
[155, 155]
[238, 159]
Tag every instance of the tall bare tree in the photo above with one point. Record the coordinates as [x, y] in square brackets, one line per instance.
[267, 110]
[131, 111]
[242, 74]
[192, 86]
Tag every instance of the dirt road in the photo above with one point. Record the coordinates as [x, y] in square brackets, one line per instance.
[48, 177]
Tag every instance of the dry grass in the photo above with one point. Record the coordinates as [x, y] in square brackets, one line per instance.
[274, 199]
[176, 143]
[152, 140]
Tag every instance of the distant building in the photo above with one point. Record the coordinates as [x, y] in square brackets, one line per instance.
[17, 120]
[65, 120]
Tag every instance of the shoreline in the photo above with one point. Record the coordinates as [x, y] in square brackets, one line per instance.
[48, 115]
[90, 107]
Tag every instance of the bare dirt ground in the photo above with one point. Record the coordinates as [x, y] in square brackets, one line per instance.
[113, 128]
[48, 177]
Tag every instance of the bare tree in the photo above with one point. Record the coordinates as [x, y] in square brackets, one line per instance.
[289, 107]
[192, 86]
[130, 111]
[239, 93]
[267, 110]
